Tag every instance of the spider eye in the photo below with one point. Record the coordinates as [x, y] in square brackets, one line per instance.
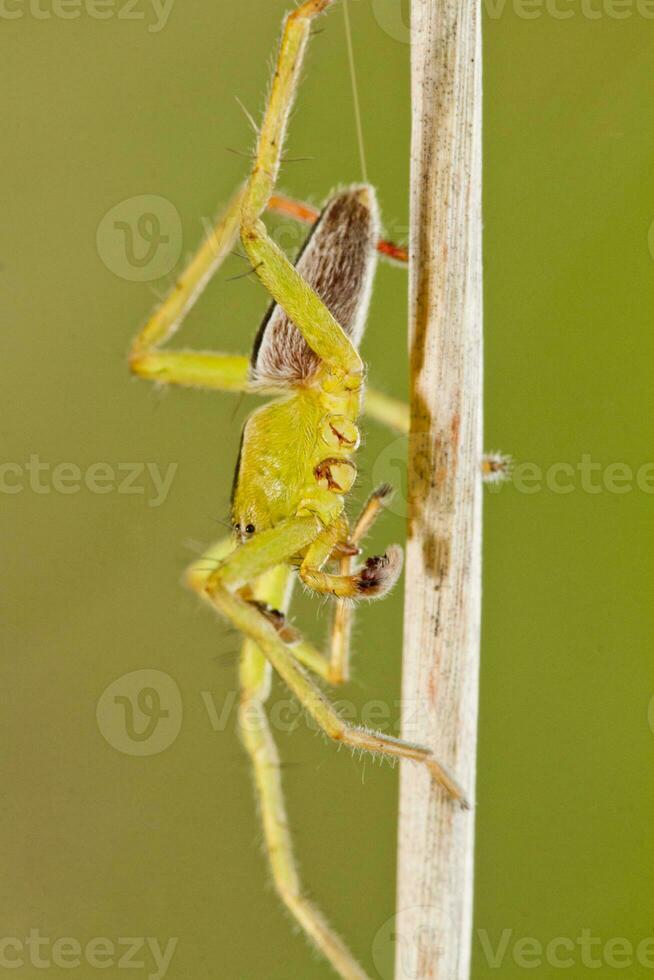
[237, 527]
[249, 529]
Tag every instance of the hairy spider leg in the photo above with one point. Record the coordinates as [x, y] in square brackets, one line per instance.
[342, 620]
[260, 569]
[238, 571]
[273, 589]
[341, 365]
[200, 369]
[333, 667]
[215, 370]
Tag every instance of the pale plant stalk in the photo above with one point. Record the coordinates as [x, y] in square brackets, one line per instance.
[443, 591]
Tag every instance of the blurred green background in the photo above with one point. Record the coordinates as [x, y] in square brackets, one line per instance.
[98, 841]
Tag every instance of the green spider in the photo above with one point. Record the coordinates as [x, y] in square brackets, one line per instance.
[295, 466]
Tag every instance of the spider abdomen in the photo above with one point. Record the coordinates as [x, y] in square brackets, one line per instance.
[338, 261]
